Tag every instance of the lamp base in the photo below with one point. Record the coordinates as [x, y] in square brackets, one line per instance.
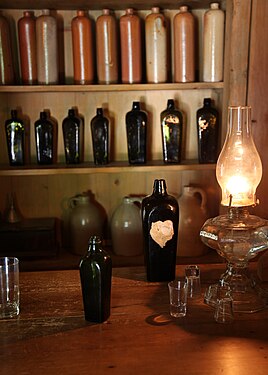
[247, 295]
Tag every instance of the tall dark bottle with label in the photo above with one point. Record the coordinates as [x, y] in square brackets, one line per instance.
[160, 219]
[100, 138]
[136, 126]
[208, 133]
[44, 137]
[72, 128]
[96, 275]
[172, 128]
[15, 136]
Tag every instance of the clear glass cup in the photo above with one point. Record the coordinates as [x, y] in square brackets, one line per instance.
[178, 297]
[9, 287]
[192, 274]
[224, 310]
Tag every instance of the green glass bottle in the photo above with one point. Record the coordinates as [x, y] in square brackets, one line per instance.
[96, 278]
[15, 136]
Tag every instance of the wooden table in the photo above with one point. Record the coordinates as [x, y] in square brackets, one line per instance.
[50, 336]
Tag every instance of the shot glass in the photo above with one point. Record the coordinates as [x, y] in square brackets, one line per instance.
[192, 274]
[178, 297]
[211, 295]
[224, 310]
[9, 287]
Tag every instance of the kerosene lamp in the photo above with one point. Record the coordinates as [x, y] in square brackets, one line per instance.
[237, 235]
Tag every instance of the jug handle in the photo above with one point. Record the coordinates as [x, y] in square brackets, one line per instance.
[203, 197]
[72, 201]
[136, 200]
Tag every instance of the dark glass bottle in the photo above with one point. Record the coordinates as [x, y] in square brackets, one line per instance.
[72, 129]
[100, 138]
[136, 126]
[160, 219]
[15, 136]
[44, 137]
[96, 276]
[172, 127]
[207, 131]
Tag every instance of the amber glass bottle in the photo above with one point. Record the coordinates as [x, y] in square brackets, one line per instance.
[172, 128]
[207, 119]
[83, 59]
[96, 274]
[15, 136]
[160, 219]
[27, 48]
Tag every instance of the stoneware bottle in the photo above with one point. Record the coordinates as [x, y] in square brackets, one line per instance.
[213, 44]
[193, 214]
[7, 74]
[107, 49]
[160, 220]
[47, 49]
[172, 132]
[156, 47]
[83, 59]
[184, 46]
[207, 120]
[96, 280]
[27, 48]
[126, 228]
[100, 138]
[85, 220]
[15, 136]
[136, 127]
[131, 47]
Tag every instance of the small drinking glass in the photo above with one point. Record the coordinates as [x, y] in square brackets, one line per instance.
[178, 297]
[211, 295]
[224, 310]
[192, 274]
[9, 287]
[224, 305]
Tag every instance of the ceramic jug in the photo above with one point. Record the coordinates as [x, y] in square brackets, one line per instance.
[126, 228]
[193, 214]
[85, 220]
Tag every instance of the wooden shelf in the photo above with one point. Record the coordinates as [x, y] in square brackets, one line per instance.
[100, 4]
[90, 168]
[108, 88]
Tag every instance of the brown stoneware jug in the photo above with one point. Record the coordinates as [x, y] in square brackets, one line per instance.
[131, 48]
[83, 59]
[184, 46]
[7, 75]
[27, 48]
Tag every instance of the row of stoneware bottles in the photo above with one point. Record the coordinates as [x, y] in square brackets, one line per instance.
[125, 225]
[136, 120]
[39, 50]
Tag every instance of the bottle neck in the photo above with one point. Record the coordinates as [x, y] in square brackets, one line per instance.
[160, 187]
[99, 112]
[136, 106]
[170, 104]
[94, 244]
